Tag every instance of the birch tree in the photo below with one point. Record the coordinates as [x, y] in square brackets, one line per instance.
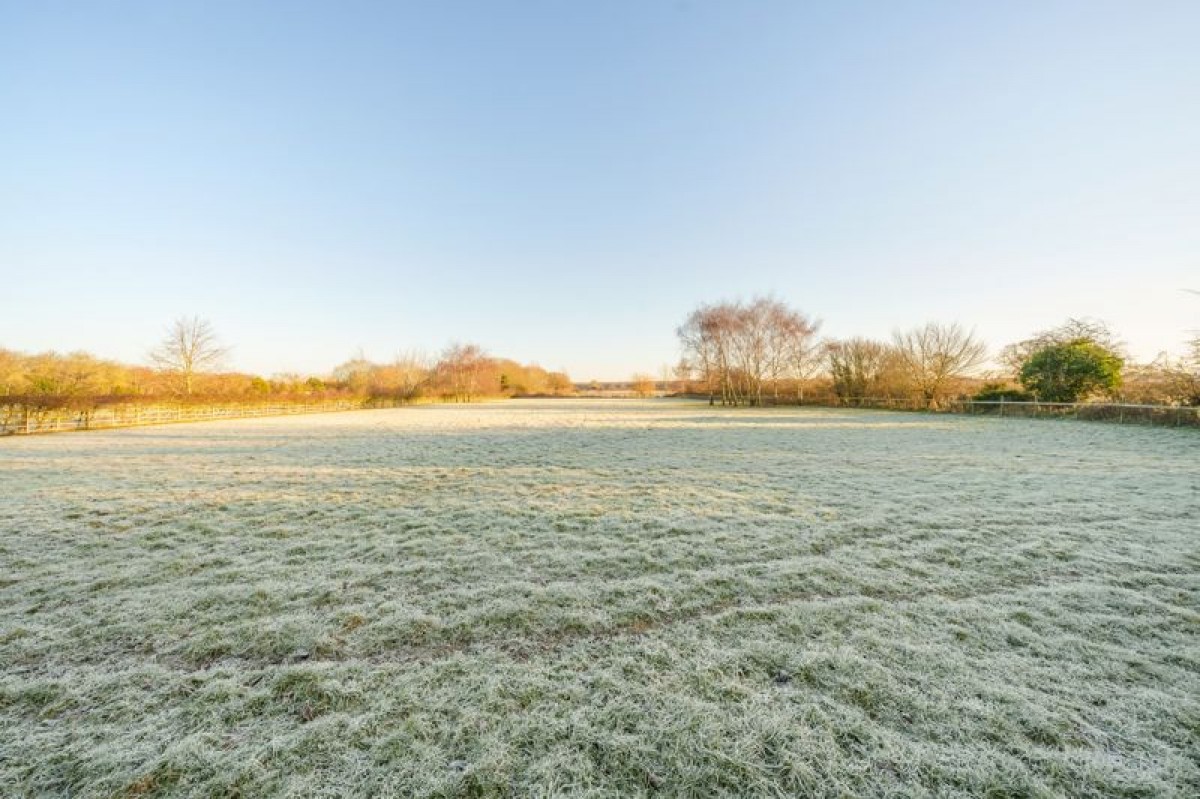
[738, 349]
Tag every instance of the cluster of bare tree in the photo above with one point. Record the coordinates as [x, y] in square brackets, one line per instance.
[929, 363]
[737, 353]
[186, 366]
[643, 385]
[59, 379]
[462, 373]
[73, 374]
[1165, 380]
[861, 369]
[740, 353]
[740, 350]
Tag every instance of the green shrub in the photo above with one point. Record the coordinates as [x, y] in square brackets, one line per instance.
[999, 392]
[1071, 371]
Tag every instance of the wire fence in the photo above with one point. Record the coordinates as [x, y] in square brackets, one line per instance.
[20, 418]
[28, 419]
[1165, 415]
[1119, 413]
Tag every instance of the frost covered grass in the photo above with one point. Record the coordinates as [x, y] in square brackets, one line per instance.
[601, 599]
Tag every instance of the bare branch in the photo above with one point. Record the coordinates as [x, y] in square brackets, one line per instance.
[189, 347]
[936, 354]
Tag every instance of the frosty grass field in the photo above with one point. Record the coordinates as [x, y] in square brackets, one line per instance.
[601, 599]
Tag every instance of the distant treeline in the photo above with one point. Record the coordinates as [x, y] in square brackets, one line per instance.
[462, 373]
[735, 353]
[763, 351]
[186, 370]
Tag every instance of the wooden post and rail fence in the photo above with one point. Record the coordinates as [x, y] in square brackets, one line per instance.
[26, 418]
[19, 416]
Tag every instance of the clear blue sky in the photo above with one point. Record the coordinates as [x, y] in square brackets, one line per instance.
[563, 181]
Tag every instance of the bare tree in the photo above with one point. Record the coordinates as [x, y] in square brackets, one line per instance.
[702, 340]
[408, 373]
[354, 374]
[934, 355]
[559, 384]
[795, 348]
[190, 346]
[751, 345]
[665, 373]
[12, 372]
[859, 368]
[643, 385]
[683, 374]
[737, 349]
[460, 370]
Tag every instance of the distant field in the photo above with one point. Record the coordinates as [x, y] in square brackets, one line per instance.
[601, 598]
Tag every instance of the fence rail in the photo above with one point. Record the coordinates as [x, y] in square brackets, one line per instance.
[18, 418]
[1167, 415]
[1120, 413]
[25, 419]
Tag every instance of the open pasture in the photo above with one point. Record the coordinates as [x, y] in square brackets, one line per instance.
[601, 599]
